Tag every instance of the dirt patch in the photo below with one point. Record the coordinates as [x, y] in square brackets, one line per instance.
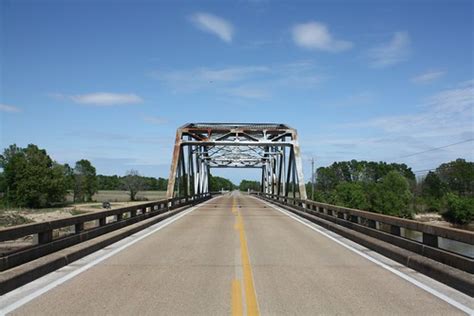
[12, 219]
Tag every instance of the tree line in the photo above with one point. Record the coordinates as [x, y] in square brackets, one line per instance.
[31, 178]
[392, 189]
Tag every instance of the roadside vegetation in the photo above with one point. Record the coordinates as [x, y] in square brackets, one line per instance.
[393, 189]
[31, 180]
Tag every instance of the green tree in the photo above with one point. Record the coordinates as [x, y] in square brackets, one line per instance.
[327, 178]
[351, 194]
[133, 183]
[458, 176]
[432, 186]
[392, 195]
[246, 185]
[85, 181]
[460, 210]
[219, 183]
[32, 178]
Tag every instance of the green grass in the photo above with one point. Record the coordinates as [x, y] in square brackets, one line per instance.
[75, 212]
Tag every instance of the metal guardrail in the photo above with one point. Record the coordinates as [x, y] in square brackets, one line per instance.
[58, 234]
[390, 229]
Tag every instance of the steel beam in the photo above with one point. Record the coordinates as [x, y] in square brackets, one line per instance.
[200, 147]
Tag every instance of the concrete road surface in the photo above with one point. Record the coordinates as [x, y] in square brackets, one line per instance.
[236, 255]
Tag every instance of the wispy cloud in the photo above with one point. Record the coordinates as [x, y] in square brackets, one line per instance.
[427, 77]
[9, 108]
[101, 98]
[155, 120]
[444, 118]
[357, 99]
[249, 82]
[249, 93]
[397, 50]
[213, 24]
[316, 36]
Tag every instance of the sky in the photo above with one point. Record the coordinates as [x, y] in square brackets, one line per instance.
[111, 81]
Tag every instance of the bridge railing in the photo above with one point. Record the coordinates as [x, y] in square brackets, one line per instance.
[23, 243]
[444, 244]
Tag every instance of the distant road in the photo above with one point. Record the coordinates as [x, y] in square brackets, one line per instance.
[232, 255]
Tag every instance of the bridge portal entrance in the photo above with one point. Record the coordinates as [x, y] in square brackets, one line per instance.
[273, 148]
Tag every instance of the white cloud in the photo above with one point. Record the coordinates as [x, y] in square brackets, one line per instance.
[213, 24]
[357, 99]
[155, 120]
[247, 82]
[101, 98]
[204, 78]
[391, 53]
[249, 93]
[316, 36]
[445, 118]
[427, 77]
[9, 108]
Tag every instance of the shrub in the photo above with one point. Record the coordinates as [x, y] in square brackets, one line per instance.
[460, 210]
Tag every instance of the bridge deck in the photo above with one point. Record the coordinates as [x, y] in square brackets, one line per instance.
[194, 266]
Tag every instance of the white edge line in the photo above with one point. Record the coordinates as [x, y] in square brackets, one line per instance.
[408, 278]
[71, 275]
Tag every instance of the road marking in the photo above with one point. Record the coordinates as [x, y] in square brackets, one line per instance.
[236, 298]
[50, 286]
[250, 295]
[417, 283]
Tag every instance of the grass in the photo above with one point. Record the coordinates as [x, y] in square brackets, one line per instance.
[75, 212]
[11, 219]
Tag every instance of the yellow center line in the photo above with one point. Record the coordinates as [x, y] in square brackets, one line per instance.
[250, 295]
[236, 298]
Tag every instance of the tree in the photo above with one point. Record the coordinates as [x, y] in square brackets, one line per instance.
[432, 186]
[458, 176]
[460, 210]
[392, 195]
[133, 183]
[85, 181]
[327, 178]
[32, 178]
[219, 183]
[246, 185]
[351, 194]
[432, 192]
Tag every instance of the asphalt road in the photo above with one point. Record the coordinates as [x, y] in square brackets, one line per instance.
[236, 254]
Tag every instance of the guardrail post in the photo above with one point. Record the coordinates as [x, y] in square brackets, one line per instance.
[430, 240]
[395, 230]
[45, 237]
[119, 217]
[371, 223]
[79, 227]
[102, 221]
[133, 213]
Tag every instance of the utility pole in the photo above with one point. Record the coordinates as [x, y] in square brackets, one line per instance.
[312, 178]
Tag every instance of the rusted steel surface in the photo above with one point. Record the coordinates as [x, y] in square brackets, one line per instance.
[271, 147]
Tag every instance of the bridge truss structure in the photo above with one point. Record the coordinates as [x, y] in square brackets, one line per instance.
[273, 148]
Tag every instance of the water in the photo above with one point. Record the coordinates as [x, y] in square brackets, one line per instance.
[447, 244]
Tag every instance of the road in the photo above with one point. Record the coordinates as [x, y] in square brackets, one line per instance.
[233, 255]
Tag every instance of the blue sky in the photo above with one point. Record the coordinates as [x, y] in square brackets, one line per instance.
[110, 81]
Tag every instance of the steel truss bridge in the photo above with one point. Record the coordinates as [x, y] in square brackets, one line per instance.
[273, 148]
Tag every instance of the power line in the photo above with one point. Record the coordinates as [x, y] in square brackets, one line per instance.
[433, 149]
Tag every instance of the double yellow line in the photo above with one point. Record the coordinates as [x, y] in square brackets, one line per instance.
[250, 295]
